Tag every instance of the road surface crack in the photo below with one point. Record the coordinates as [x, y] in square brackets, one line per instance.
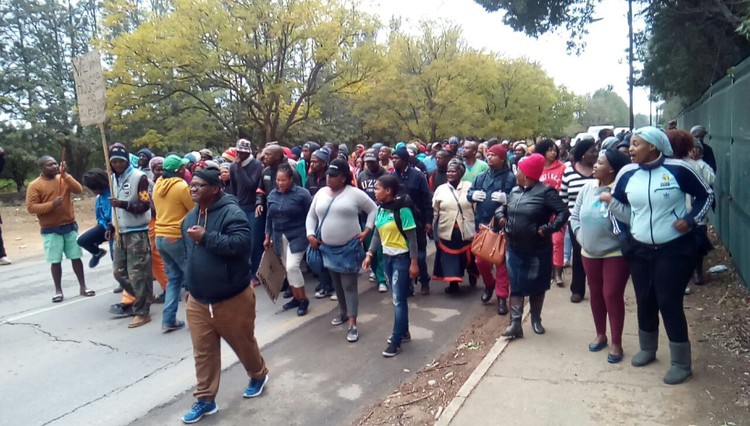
[38, 328]
[121, 388]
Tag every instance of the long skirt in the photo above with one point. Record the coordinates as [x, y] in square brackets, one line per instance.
[529, 272]
[453, 259]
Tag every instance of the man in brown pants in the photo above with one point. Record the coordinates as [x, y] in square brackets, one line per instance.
[217, 241]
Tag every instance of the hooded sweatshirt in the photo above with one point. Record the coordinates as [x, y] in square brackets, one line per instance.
[218, 268]
[172, 202]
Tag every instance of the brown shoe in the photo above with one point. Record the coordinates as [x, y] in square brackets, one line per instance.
[139, 320]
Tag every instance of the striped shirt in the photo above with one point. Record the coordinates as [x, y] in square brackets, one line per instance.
[572, 183]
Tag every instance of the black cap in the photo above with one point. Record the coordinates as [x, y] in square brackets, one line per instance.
[338, 167]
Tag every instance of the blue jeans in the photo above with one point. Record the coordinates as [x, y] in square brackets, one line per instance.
[568, 251]
[396, 269]
[172, 251]
[258, 230]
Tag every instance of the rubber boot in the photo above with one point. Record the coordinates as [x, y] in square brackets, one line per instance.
[536, 302]
[681, 363]
[515, 330]
[649, 342]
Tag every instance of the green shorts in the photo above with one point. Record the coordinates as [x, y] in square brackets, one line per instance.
[55, 245]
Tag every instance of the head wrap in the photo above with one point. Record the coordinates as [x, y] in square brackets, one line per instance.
[655, 137]
[343, 149]
[532, 166]
[147, 152]
[118, 150]
[458, 165]
[402, 153]
[401, 145]
[521, 145]
[207, 152]
[211, 176]
[499, 150]
[323, 154]
[154, 161]
[610, 142]
[173, 163]
[616, 159]
[192, 158]
[581, 147]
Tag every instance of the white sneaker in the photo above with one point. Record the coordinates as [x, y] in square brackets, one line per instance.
[382, 288]
[688, 290]
[372, 277]
[334, 297]
[5, 260]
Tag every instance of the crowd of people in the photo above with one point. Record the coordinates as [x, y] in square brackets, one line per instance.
[609, 208]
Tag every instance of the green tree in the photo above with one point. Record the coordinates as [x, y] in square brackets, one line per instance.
[247, 65]
[604, 107]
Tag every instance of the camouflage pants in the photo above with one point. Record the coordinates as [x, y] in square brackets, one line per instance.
[132, 269]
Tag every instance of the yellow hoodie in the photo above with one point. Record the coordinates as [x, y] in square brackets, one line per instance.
[172, 203]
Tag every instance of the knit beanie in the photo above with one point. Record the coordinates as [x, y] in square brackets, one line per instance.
[118, 150]
[498, 150]
[323, 154]
[532, 166]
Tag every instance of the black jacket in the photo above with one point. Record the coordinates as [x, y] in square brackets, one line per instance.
[218, 268]
[529, 209]
[268, 183]
[243, 183]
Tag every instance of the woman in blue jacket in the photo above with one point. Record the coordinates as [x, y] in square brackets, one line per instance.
[649, 195]
[96, 180]
[285, 230]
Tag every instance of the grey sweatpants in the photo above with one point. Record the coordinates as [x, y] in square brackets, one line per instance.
[345, 285]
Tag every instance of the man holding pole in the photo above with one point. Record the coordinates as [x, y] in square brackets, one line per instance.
[131, 205]
[48, 197]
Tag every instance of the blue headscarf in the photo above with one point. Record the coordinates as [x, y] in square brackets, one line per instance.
[655, 137]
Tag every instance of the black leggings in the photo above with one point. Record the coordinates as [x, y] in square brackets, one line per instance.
[2, 246]
[578, 279]
[660, 276]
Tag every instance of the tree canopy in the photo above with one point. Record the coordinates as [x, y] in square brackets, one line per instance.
[686, 46]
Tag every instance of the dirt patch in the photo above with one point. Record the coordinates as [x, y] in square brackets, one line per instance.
[719, 318]
[21, 230]
[422, 400]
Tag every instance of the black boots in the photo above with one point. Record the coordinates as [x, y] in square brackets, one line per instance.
[536, 302]
[502, 306]
[515, 330]
[486, 295]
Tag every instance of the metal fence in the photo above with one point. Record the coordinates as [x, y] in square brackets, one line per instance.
[724, 109]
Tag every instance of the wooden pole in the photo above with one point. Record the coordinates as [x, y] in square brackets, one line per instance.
[109, 177]
[64, 168]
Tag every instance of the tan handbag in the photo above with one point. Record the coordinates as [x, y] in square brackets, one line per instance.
[489, 245]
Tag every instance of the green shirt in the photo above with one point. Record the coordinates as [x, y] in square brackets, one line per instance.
[390, 237]
[477, 169]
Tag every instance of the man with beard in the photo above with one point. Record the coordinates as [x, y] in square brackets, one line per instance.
[415, 186]
[144, 157]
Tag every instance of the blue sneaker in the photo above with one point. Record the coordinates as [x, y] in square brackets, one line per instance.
[198, 410]
[255, 388]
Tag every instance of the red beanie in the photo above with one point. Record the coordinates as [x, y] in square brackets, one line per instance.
[532, 166]
[499, 150]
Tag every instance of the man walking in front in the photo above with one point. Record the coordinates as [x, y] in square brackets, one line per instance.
[48, 197]
[218, 243]
[172, 202]
[132, 207]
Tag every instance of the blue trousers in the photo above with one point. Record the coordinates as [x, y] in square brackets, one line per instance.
[396, 269]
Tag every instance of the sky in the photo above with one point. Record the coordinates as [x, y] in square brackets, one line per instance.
[602, 63]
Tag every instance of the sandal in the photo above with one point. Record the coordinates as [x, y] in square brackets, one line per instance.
[57, 298]
[88, 293]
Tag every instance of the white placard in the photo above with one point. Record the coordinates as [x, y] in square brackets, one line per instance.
[90, 90]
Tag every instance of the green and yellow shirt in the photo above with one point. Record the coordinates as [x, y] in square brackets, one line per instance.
[391, 238]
